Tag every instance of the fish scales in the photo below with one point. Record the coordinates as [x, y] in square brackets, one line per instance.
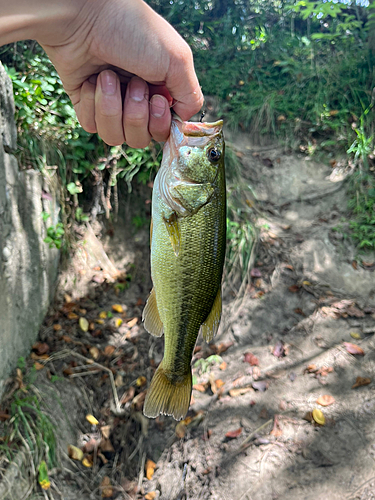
[187, 257]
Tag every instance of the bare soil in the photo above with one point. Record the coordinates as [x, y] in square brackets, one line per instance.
[249, 433]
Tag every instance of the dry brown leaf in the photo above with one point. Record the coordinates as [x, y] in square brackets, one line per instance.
[109, 350]
[325, 400]
[106, 487]
[150, 469]
[72, 315]
[180, 430]
[35, 356]
[239, 392]
[4, 416]
[41, 348]
[66, 339]
[128, 395]
[223, 366]
[223, 346]
[294, 288]
[250, 358]
[106, 431]
[276, 430]
[106, 446]
[132, 322]
[234, 434]
[94, 352]
[200, 387]
[57, 327]
[360, 381]
[38, 366]
[150, 495]
[139, 400]
[354, 349]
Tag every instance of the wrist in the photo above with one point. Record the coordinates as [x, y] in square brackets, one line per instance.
[39, 20]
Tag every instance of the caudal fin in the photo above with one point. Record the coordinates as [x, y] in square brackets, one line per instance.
[167, 398]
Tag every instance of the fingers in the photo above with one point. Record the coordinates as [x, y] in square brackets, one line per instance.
[134, 118]
[108, 108]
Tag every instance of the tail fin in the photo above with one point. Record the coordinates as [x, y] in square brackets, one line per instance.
[167, 398]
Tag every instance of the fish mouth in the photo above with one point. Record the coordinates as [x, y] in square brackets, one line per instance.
[193, 133]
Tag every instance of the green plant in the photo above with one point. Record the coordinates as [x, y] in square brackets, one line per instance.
[203, 365]
[55, 235]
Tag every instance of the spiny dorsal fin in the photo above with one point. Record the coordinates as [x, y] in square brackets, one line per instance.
[166, 397]
[151, 317]
[210, 326]
[174, 232]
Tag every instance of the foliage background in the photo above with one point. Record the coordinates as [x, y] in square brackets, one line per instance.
[301, 70]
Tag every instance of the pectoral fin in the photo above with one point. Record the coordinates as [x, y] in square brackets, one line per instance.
[151, 317]
[210, 326]
[192, 196]
[173, 229]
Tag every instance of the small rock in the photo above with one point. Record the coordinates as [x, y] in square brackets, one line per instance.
[6, 254]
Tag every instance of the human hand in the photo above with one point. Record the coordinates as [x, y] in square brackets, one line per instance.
[122, 65]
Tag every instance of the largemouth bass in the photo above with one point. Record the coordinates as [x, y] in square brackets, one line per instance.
[188, 234]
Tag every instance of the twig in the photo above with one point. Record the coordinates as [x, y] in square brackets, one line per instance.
[142, 471]
[351, 495]
[83, 374]
[111, 377]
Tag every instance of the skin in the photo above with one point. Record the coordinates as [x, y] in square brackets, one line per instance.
[121, 64]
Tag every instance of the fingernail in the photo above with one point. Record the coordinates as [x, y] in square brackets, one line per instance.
[108, 83]
[137, 90]
[158, 106]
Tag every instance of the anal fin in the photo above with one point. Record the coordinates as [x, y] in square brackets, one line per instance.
[210, 327]
[151, 317]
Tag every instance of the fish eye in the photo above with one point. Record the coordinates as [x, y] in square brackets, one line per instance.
[213, 154]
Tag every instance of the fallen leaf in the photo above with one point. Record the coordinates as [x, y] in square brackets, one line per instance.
[255, 273]
[354, 349]
[223, 346]
[119, 381]
[318, 416]
[83, 324]
[75, 453]
[355, 335]
[150, 469]
[106, 446]
[180, 430]
[294, 288]
[139, 400]
[311, 369]
[260, 385]
[279, 349]
[234, 434]
[355, 264]
[306, 283]
[41, 348]
[150, 495]
[118, 322]
[132, 322]
[103, 315]
[276, 431]
[251, 359]
[88, 461]
[325, 400]
[35, 356]
[38, 366]
[57, 327]
[117, 308]
[360, 381]
[240, 391]
[308, 416]
[200, 387]
[92, 420]
[298, 310]
[106, 487]
[263, 413]
[219, 383]
[141, 381]
[67, 298]
[109, 350]
[4, 416]
[128, 395]
[223, 366]
[72, 315]
[94, 352]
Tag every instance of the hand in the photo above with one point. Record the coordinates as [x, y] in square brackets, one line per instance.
[142, 65]
[122, 65]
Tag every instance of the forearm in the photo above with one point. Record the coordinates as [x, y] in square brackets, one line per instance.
[33, 19]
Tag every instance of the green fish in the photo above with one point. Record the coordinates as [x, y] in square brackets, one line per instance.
[188, 235]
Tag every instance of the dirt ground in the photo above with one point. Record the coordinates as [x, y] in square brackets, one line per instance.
[249, 434]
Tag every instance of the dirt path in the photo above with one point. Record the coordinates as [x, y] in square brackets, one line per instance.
[248, 435]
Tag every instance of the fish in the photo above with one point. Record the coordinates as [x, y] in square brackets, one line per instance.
[188, 237]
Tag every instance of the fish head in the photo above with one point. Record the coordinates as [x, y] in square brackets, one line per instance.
[192, 159]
